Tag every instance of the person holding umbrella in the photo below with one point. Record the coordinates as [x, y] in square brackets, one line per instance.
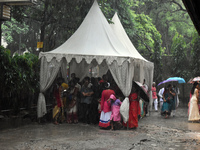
[168, 97]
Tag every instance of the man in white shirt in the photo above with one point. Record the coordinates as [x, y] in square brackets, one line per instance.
[160, 94]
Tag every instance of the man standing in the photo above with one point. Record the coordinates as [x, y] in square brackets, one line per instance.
[160, 94]
[86, 99]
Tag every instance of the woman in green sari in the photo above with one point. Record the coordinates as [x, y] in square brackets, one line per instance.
[168, 97]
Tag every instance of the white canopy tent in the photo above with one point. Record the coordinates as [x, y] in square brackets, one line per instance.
[94, 43]
[144, 68]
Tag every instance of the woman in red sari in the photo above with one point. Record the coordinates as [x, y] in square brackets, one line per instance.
[134, 109]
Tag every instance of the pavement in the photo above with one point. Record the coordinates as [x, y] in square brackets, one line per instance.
[154, 133]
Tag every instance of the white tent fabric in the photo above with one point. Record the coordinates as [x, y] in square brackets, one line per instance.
[121, 34]
[48, 73]
[143, 66]
[93, 43]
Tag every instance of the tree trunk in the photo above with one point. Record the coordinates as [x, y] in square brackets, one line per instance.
[43, 26]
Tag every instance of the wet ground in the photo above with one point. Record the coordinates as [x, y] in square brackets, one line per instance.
[154, 133]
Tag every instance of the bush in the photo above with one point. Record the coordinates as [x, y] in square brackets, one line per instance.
[19, 80]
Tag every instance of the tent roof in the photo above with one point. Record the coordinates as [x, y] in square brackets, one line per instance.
[121, 34]
[94, 39]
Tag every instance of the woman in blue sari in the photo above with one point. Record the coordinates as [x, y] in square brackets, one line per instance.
[168, 98]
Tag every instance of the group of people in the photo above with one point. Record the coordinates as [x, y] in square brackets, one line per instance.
[169, 101]
[169, 104]
[75, 101]
[98, 101]
[94, 100]
[110, 109]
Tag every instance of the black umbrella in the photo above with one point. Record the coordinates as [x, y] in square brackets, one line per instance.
[142, 91]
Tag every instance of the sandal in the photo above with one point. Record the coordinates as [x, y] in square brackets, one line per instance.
[56, 123]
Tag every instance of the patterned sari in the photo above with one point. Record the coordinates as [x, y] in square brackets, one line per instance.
[134, 111]
[57, 115]
[166, 108]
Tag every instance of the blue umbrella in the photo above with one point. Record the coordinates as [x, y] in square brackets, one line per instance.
[166, 81]
[179, 79]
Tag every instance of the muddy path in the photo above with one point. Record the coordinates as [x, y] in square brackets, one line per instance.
[154, 133]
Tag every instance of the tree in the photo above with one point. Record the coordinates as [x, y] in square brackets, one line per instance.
[169, 17]
[13, 34]
[156, 58]
[179, 65]
[195, 61]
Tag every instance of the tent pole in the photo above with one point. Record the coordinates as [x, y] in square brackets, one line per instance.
[69, 73]
[91, 72]
[183, 93]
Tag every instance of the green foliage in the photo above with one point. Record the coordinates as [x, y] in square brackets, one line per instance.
[169, 17]
[13, 27]
[20, 78]
[145, 31]
[195, 61]
[156, 57]
[180, 67]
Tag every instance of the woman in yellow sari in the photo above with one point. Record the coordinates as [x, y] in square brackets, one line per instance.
[58, 89]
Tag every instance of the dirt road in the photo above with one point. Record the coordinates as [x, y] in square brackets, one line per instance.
[154, 133]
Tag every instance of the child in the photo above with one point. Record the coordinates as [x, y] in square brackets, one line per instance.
[115, 108]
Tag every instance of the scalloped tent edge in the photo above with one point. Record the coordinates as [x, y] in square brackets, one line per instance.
[93, 43]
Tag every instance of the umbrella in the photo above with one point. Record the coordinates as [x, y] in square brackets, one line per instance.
[179, 79]
[196, 79]
[143, 92]
[167, 81]
[190, 81]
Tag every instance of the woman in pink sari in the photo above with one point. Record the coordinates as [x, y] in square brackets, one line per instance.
[115, 108]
